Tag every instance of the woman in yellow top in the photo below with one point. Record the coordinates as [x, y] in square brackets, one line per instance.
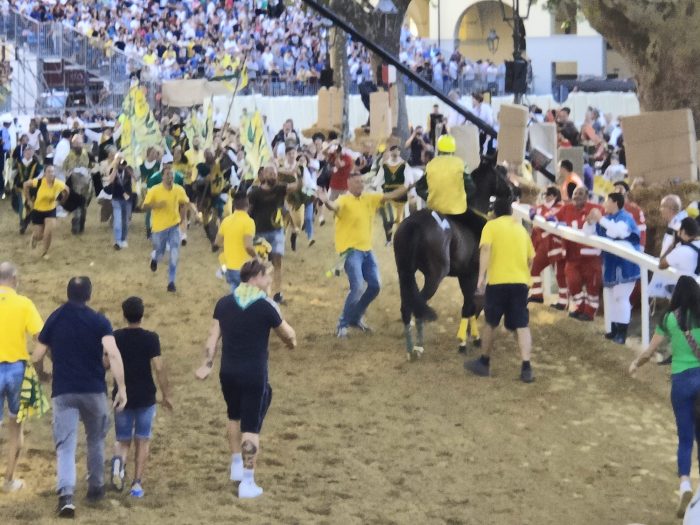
[43, 216]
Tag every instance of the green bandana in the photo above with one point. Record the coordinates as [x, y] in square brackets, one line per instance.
[245, 295]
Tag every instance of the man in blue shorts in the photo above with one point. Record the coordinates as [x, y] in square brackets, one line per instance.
[139, 349]
[18, 318]
[243, 321]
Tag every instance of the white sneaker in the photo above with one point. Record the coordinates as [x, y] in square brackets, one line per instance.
[123, 244]
[249, 490]
[17, 484]
[237, 471]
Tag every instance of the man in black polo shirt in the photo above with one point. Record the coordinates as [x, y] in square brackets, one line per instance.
[243, 321]
[79, 339]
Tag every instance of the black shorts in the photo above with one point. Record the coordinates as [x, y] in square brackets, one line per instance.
[246, 402]
[509, 301]
[38, 217]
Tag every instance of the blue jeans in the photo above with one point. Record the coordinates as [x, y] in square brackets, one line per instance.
[233, 277]
[159, 240]
[134, 423]
[92, 410]
[685, 387]
[309, 220]
[361, 268]
[121, 215]
[11, 377]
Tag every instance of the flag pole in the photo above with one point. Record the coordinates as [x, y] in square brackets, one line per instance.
[238, 82]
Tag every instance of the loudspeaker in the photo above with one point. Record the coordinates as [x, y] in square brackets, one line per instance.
[326, 79]
[516, 76]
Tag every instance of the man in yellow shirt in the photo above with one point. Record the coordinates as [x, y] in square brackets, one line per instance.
[236, 235]
[18, 317]
[354, 221]
[504, 271]
[169, 204]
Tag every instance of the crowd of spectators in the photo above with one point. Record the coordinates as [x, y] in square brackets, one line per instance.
[205, 39]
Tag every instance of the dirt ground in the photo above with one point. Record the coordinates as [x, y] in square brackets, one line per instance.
[356, 434]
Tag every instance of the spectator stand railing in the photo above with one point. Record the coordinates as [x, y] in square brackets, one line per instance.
[58, 41]
[646, 262]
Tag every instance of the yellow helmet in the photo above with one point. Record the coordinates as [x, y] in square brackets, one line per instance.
[381, 148]
[446, 144]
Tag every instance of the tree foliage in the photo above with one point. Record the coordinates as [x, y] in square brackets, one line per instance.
[659, 40]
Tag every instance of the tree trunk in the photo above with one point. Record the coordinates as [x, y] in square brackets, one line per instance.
[385, 31]
[341, 77]
[659, 40]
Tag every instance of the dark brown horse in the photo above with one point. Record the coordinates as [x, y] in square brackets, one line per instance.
[440, 247]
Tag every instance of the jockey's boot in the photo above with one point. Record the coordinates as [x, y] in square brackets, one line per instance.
[621, 335]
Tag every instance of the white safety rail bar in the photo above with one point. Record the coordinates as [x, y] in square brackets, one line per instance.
[645, 261]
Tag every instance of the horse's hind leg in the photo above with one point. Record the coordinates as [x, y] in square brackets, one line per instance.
[409, 340]
[467, 284]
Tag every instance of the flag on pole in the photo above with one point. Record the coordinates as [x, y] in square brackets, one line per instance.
[254, 140]
[234, 82]
[140, 130]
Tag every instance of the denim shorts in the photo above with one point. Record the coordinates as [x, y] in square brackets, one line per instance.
[11, 377]
[134, 423]
[276, 240]
[233, 278]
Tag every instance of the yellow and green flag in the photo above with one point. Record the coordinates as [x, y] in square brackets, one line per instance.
[254, 140]
[140, 129]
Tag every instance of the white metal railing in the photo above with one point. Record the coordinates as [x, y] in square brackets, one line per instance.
[645, 261]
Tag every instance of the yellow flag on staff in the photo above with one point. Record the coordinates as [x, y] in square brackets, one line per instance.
[209, 125]
[254, 140]
[602, 187]
[140, 130]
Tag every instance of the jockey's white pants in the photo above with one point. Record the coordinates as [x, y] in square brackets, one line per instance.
[620, 308]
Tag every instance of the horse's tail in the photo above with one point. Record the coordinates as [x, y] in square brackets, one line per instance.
[406, 244]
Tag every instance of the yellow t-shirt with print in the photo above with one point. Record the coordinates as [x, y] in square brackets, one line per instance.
[169, 215]
[511, 249]
[18, 317]
[354, 221]
[47, 194]
[234, 229]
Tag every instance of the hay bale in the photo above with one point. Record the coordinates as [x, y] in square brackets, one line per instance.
[649, 197]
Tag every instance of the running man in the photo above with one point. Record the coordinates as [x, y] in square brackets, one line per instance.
[168, 203]
[243, 321]
[236, 235]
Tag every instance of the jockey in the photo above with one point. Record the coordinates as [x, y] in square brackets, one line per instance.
[445, 179]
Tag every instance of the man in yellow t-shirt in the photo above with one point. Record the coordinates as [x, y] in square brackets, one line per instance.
[236, 235]
[504, 272]
[354, 222]
[169, 204]
[18, 317]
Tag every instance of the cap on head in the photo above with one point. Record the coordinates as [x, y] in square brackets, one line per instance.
[446, 144]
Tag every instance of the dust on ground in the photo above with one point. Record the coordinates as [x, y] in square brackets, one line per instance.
[356, 434]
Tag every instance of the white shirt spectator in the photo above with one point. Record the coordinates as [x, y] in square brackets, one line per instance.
[684, 258]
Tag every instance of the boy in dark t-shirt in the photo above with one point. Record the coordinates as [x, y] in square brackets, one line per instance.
[139, 349]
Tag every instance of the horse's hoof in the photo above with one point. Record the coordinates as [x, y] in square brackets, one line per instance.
[409, 356]
[477, 343]
[462, 348]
